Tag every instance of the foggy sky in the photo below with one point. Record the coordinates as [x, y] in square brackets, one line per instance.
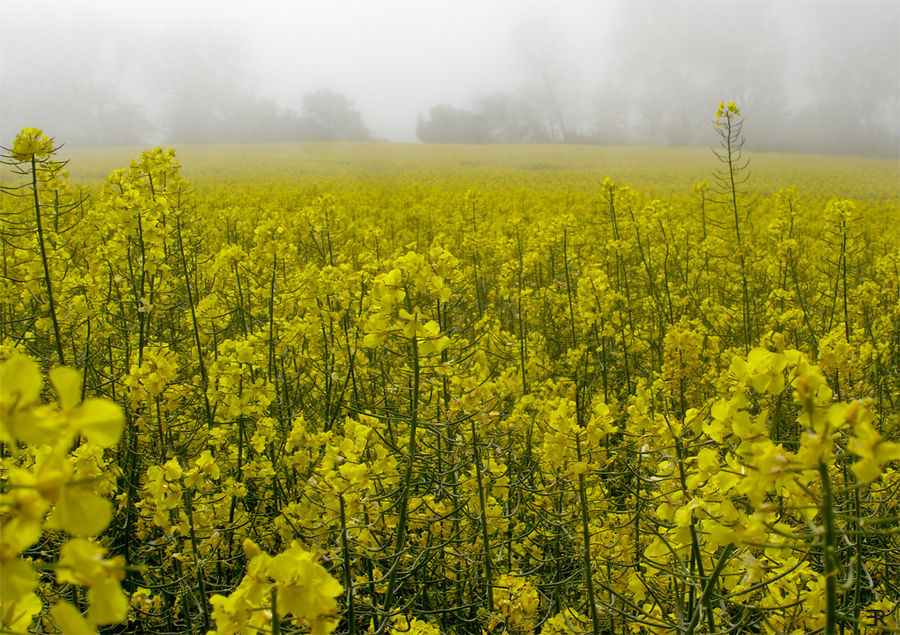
[395, 59]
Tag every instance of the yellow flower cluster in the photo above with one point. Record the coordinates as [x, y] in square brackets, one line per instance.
[46, 489]
[30, 144]
[297, 584]
[727, 111]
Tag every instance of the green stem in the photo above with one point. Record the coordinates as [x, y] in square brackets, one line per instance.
[730, 140]
[276, 621]
[710, 584]
[488, 576]
[201, 585]
[829, 544]
[44, 261]
[400, 543]
[348, 579]
[586, 539]
[195, 326]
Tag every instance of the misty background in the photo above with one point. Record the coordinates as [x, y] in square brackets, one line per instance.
[810, 76]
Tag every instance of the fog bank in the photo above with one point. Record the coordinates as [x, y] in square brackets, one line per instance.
[809, 76]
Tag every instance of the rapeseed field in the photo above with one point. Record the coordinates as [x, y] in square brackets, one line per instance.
[384, 388]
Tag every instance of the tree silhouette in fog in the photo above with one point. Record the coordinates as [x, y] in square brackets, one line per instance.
[330, 116]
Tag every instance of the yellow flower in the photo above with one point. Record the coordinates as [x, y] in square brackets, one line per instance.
[873, 450]
[516, 602]
[20, 392]
[306, 590]
[81, 562]
[31, 143]
[69, 619]
[413, 324]
[412, 626]
[727, 111]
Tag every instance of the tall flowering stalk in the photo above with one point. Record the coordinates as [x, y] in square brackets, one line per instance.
[32, 149]
[729, 126]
